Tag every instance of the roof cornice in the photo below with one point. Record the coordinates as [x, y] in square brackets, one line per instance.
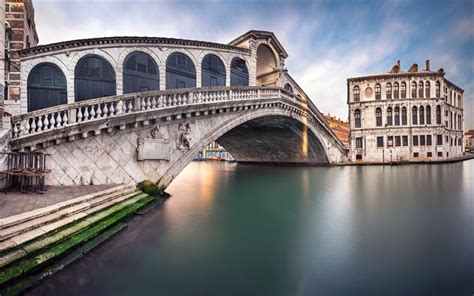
[124, 40]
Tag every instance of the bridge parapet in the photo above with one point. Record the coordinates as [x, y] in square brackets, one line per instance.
[58, 118]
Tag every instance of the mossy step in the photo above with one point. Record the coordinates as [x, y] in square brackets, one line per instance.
[105, 220]
[44, 238]
[17, 229]
[26, 283]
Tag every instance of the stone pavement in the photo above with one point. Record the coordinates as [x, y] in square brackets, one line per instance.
[17, 203]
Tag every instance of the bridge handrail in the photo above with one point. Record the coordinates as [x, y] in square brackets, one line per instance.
[59, 116]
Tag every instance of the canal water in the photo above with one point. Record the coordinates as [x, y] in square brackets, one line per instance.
[232, 229]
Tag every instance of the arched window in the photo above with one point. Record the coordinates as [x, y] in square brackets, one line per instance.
[239, 74]
[140, 73]
[357, 118]
[289, 88]
[414, 115]
[213, 71]
[403, 89]
[438, 89]
[378, 95]
[396, 112]
[46, 87]
[438, 114]
[389, 116]
[404, 116]
[413, 89]
[180, 71]
[395, 90]
[428, 114]
[94, 78]
[388, 89]
[427, 89]
[422, 115]
[356, 92]
[420, 90]
[378, 116]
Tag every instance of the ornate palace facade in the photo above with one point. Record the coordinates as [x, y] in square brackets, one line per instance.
[413, 115]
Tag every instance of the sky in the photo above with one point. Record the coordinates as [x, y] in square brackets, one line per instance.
[327, 41]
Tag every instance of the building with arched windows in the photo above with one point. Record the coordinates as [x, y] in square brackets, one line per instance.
[398, 116]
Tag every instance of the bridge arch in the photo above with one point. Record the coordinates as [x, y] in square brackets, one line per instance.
[218, 135]
[140, 73]
[180, 71]
[46, 87]
[94, 77]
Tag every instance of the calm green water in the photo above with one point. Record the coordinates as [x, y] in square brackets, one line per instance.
[234, 229]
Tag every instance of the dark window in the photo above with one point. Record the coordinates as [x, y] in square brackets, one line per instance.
[358, 142]
[357, 118]
[422, 140]
[415, 140]
[396, 90]
[427, 89]
[7, 7]
[438, 89]
[429, 154]
[389, 116]
[180, 71]
[27, 42]
[404, 116]
[422, 115]
[380, 142]
[94, 78]
[405, 140]
[439, 139]
[378, 95]
[359, 157]
[413, 89]
[428, 114]
[397, 115]
[420, 90]
[46, 87]
[388, 89]
[213, 71]
[398, 141]
[140, 73]
[378, 116]
[428, 140]
[356, 92]
[440, 154]
[460, 141]
[414, 115]
[403, 89]
[390, 141]
[416, 154]
[289, 88]
[438, 114]
[239, 74]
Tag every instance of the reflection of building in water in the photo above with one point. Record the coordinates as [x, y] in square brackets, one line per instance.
[214, 151]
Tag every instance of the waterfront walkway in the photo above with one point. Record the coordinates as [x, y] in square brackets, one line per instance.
[14, 203]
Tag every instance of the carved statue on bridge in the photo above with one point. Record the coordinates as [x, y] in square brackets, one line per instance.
[185, 136]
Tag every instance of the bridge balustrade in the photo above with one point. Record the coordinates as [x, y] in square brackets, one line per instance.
[97, 109]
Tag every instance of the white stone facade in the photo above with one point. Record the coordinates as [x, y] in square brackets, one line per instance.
[392, 120]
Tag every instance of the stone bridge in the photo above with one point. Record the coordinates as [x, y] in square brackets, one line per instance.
[117, 110]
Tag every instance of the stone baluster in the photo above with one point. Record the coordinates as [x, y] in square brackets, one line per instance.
[16, 131]
[52, 122]
[153, 102]
[99, 111]
[27, 126]
[65, 119]
[33, 125]
[86, 113]
[45, 122]
[130, 106]
[119, 107]
[105, 110]
[58, 119]
[40, 123]
[79, 114]
[111, 109]
[93, 113]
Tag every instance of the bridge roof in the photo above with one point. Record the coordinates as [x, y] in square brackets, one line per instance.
[261, 35]
[124, 40]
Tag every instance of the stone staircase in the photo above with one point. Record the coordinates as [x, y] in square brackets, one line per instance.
[34, 240]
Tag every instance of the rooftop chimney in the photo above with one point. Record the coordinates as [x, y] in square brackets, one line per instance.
[428, 65]
[398, 63]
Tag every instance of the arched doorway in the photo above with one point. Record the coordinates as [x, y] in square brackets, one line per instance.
[46, 87]
[267, 66]
[94, 78]
[140, 73]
